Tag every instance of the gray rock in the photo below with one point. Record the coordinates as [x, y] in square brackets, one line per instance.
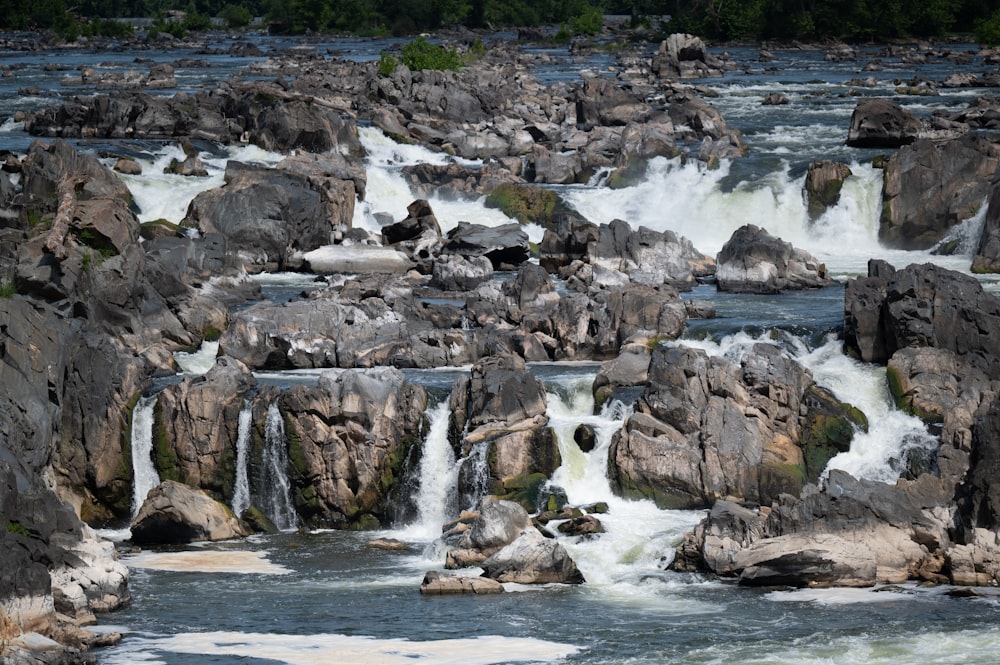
[533, 559]
[754, 261]
[442, 584]
[824, 180]
[174, 513]
[880, 123]
[930, 186]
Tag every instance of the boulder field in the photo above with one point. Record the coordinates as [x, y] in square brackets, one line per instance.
[94, 305]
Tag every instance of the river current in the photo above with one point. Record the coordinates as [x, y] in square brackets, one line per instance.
[326, 597]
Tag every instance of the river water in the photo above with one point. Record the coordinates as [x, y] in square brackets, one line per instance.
[325, 597]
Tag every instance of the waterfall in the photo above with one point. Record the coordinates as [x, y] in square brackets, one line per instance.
[275, 487]
[144, 475]
[241, 487]
[437, 479]
[639, 537]
[474, 469]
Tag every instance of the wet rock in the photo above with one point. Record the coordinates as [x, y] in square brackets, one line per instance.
[824, 180]
[196, 427]
[880, 123]
[685, 56]
[442, 584]
[533, 559]
[348, 439]
[174, 513]
[931, 186]
[754, 261]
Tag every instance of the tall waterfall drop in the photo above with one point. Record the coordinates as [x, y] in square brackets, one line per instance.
[438, 477]
[144, 474]
[241, 488]
[275, 487]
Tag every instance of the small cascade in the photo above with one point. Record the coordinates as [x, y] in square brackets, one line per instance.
[639, 537]
[241, 487]
[276, 499]
[436, 497]
[144, 474]
[474, 469]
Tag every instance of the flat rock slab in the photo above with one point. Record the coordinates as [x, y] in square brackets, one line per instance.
[442, 584]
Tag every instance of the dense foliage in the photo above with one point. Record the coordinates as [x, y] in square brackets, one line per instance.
[854, 20]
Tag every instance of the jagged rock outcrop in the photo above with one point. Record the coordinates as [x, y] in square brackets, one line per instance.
[754, 261]
[930, 186]
[196, 427]
[174, 513]
[498, 418]
[267, 214]
[348, 440]
[987, 258]
[707, 428]
[685, 56]
[647, 256]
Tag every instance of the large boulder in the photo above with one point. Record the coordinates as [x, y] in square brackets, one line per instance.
[754, 261]
[268, 214]
[498, 524]
[707, 428]
[647, 256]
[921, 305]
[196, 427]
[824, 180]
[880, 123]
[174, 513]
[533, 559]
[505, 246]
[931, 186]
[349, 438]
[601, 101]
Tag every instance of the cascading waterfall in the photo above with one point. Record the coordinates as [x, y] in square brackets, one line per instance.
[639, 537]
[275, 486]
[144, 474]
[241, 486]
[893, 436]
[475, 469]
[436, 496]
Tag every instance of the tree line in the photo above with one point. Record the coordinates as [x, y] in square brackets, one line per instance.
[725, 20]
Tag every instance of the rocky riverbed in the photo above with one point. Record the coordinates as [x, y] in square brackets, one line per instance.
[96, 305]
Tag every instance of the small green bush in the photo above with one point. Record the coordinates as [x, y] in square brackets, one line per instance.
[387, 64]
[421, 54]
[8, 289]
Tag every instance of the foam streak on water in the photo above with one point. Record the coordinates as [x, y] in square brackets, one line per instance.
[325, 649]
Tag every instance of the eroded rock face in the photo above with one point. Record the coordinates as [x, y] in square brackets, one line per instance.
[824, 180]
[987, 259]
[174, 513]
[348, 440]
[196, 427]
[706, 428]
[498, 417]
[930, 186]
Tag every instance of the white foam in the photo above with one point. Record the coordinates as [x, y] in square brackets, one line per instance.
[324, 649]
[200, 361]
[208, 561]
